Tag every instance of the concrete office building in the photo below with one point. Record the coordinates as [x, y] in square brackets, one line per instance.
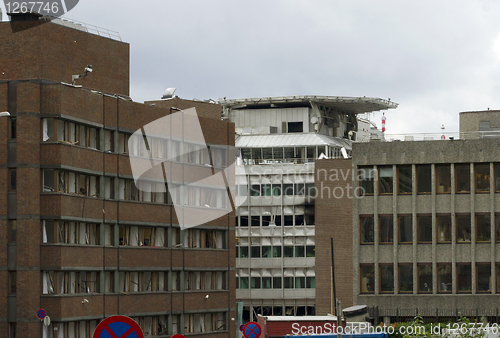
[426, 233]
[278, 141]
[79, 238]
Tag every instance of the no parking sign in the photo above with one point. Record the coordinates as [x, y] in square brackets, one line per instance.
[118, 327]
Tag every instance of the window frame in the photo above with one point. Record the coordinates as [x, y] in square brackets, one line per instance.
[399, 228]
[419, 266]
[400, 266]
[398, 168]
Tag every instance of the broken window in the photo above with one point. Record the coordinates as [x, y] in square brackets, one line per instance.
[78, 233]
[123, 143]
[48, 180]
[48, 129]
[109, 141]
[143, 236]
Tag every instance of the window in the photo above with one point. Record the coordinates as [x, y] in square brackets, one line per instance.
[288, 189]
[244, 283]
[255, 282]
[310, 251]
[12, 230]
[497, 227]
[464, 278]
[483, 228]
[385, 180]
[266, 282]
[497, 177]
[277, 283]
[404, 179]
[299, 251]
[498, 278]
[405, 278]
[154, 325]
[463, 228]
[386, 278]
[444, 278]
[48, 129]
[200, 238]
[288, 251]
[366, 178]
[295, 127]
[255, 251]
[12, 282]
[483, 272]
[109, 141]
[424, 278]
[203, 322]
[462, 174]
[424, 229]
[300, 282]
[76, 183]
[310, 282]
[70, 282]
[386, 229]
[13, 180]
[443, 229]
[482, 177]
[423, 178]
[243, 251]
[367, 230]
[73, 232]
[148, 236]
[367, 278]
[155, 281]
[13, 128]
[405, 229]
[48, 180]
[443, 179]
[288, 282]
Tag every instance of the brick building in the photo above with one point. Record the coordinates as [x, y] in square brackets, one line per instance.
[77, 237]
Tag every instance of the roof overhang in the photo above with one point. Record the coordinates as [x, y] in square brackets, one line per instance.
[357, 105]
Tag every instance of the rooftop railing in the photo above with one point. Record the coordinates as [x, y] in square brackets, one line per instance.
[470, 135]
[85, 27]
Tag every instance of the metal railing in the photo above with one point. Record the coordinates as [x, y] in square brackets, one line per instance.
[85, 27]
[433, 315]
[469, 135]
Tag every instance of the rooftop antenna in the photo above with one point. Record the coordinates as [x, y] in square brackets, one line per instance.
[88, 69]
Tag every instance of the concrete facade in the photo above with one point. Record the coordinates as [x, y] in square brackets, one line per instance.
[425, 235]
[77, 239]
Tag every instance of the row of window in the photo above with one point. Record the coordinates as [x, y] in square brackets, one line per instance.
[150, 325]
[275, 282]
[404, 228]
[287, 154]
[70, 182]
[84, 233]
[268, 251]
[173, 150]
[88, 282]
[277, 311]
[57, 130]
[279, 189]
[484, 279]
[404, 178]
[278, 220]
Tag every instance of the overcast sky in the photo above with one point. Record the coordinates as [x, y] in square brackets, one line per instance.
[434, 58]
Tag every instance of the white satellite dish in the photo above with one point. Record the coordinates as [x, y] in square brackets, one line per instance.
[169, 93]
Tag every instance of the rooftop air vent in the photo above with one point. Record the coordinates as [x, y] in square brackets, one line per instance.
[169, 93]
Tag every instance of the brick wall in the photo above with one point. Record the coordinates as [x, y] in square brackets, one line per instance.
[36, 53]
[333, 209]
